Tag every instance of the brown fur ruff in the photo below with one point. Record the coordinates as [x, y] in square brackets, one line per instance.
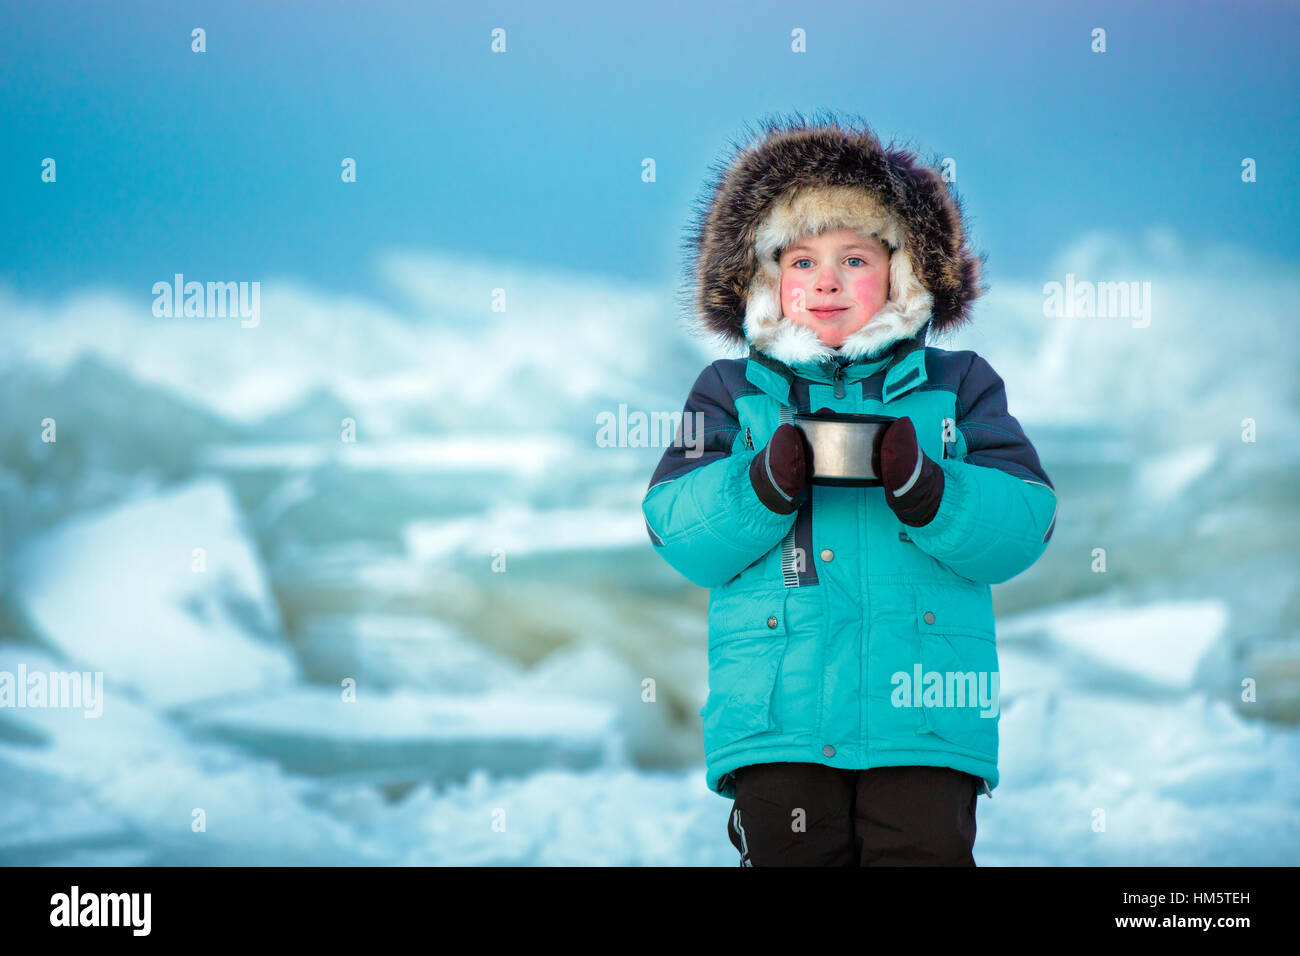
[793, 157]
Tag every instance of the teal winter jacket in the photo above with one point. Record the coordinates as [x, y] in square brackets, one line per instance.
[838, 634]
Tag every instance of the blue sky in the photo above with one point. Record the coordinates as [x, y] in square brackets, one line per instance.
[225, 165]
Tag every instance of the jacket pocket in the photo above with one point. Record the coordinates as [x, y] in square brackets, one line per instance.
[747, 642]
[959, 664]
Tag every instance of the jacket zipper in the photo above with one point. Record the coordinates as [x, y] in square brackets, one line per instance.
[838, 379]
[749, 442]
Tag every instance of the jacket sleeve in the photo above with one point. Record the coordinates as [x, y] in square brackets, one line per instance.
[701, 511]
[998, 509]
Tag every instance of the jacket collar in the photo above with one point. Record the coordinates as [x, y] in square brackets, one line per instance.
[904, 365]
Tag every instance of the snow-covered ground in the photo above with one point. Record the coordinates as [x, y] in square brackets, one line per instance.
[1195, 785]
[449, 642]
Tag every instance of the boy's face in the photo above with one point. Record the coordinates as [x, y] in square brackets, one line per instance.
[834, 283]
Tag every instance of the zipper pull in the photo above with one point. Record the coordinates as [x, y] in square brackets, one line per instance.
[749, 442]
[839, 380]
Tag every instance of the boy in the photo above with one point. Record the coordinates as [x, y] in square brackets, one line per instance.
[852, 706]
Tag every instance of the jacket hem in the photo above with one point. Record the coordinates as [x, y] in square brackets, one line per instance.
[719, 767]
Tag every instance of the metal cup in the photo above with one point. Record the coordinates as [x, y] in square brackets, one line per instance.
[842, 445]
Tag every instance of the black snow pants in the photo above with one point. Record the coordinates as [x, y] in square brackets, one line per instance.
[808, 814]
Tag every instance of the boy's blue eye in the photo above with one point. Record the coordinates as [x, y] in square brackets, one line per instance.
[796, 262]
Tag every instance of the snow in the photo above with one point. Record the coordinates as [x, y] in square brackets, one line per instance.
[1021, 673]
[118, 591]
[520, 530]
[399, 715]
[1183, 783]
[44, 817]
[1163, 643]
[408, 737]
[393, 650]
[1166, 477]
[1167, 643]
[525, 454]
[132, 779]
[500, 719]
[593, 672]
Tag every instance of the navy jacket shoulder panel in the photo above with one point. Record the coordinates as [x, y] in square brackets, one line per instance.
[946, 369]
[994, 437]
[709, 421]
[731, 376]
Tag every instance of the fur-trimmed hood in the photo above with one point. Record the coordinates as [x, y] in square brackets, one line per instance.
[795, 178]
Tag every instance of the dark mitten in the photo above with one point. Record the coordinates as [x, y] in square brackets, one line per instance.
[913, 480]
[780, 471]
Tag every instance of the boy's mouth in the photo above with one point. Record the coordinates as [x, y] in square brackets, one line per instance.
[825, 313]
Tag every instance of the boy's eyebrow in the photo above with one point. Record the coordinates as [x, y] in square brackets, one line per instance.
[857, 244]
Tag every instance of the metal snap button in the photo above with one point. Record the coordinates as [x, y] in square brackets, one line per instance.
[771, 622]
[828, 555]
[929, 617]
[828, 750]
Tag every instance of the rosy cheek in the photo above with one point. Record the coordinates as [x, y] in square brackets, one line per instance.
[792, 292]
[869, 287]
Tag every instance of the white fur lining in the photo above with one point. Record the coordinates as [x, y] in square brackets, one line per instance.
[809, 212]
